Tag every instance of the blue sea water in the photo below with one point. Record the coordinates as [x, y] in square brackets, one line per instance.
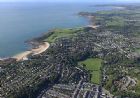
[23, 21]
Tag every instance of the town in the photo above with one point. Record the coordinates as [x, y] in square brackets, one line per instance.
[64, 70]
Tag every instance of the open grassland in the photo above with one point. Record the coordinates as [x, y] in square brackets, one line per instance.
[138, 87]
[94, 65]
[138, 50]
[115, 22]
[58, 33]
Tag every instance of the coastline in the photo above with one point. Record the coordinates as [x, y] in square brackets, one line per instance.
[34, 51]
[93, 26]
[39, 46]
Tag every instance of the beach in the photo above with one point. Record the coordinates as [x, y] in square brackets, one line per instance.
[35, 51]
[93, 26]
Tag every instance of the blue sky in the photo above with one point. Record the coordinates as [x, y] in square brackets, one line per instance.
[72, 0]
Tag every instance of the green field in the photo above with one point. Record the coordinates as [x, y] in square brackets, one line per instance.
[138, 50]
[115, 22]
[94, 65]
[138, 87]
[58, 33]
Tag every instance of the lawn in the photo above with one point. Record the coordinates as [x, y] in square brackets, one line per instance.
[94, 65]
[138, 50]
[58, 33]
[115, 22]
[138, 87]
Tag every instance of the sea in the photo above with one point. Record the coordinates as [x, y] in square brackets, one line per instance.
[22, 21]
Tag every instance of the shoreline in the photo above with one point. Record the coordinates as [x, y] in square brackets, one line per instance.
[34, 51]
[38, 47]
[93, 26]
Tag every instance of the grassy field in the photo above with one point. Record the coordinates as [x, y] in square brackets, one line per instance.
[94, 65]
[138, 50]
[138, 87]
[58, 33]
[115, 22]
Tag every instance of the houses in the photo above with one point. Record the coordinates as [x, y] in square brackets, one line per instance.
[58, 66]
[80, 90]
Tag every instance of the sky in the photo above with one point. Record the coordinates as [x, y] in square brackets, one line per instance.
[70, 0]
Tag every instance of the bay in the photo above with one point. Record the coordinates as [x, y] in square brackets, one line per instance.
[23, 21]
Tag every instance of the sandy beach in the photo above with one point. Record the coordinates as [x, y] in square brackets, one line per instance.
[93, 26]
[40, 49]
